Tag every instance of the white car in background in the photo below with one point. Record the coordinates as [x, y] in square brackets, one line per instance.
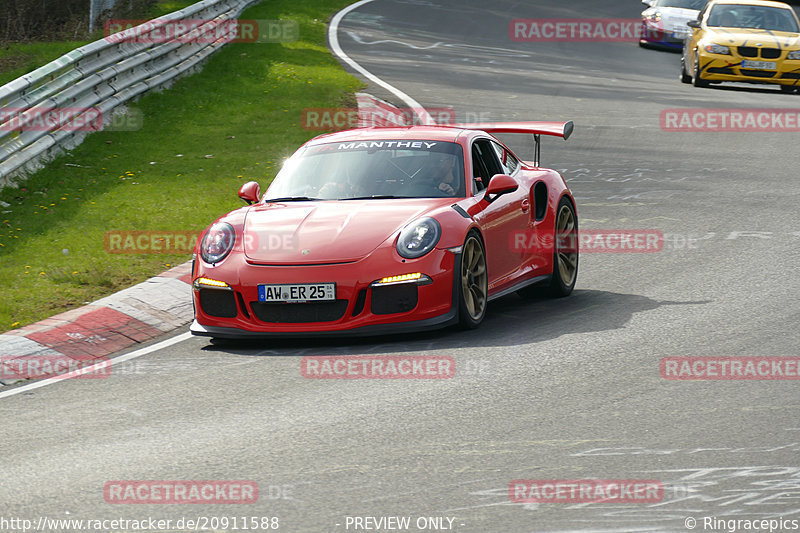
[664, 22]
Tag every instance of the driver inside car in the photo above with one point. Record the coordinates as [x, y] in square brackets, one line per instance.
[444, 173]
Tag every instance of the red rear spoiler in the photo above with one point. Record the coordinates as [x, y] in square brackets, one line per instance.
[537, 129]
[556, 129]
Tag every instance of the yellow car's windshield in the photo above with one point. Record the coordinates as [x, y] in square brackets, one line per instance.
[752, 17]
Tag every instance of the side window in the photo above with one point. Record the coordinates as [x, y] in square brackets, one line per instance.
[478, 171]
[484, 164]
[507, 159]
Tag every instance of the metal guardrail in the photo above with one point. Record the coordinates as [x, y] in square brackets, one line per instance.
[96, 78]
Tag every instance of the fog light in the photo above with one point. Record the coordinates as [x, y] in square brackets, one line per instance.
[415, 277]
[210, 284]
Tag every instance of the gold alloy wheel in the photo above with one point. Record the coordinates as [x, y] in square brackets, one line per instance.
[474, 279]
[567, 256]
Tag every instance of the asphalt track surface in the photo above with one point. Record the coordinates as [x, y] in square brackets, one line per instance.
[566, 389]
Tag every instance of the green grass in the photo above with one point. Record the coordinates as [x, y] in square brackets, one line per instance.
[201, 139]
[17, 59]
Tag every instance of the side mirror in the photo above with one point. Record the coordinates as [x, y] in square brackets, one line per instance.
[693, 23]
[500, 184]
[648, 3]
[250, 192]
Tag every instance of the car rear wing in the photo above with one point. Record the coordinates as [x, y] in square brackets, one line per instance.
[537, 129]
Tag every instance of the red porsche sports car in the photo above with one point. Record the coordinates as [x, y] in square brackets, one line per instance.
[381, 230]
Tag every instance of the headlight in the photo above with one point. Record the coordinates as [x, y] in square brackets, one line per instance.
[418, 238]
[654, 17]
[718, 49]
[794, 55]
[217, 243]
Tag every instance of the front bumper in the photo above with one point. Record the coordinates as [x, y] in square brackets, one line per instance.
[359, 308]
[658, 37]
[442, 321]
[717, 67]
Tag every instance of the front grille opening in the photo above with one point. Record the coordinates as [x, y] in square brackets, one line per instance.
[360, 301]
[748, 51]
[299, 313]
[394, 299]
[219, 303]
[242, 306]
[770, 53]
[720, 70]
[757, 73]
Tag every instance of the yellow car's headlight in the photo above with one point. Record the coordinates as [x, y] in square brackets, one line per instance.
[794, 55]
[718, 49]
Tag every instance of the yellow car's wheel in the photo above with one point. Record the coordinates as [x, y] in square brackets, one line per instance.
[697, 81]
[685, 78]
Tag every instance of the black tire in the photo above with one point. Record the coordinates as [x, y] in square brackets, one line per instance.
[685, 78]
[788, 88]
[565, 256]
[697, 80]
[472, 283]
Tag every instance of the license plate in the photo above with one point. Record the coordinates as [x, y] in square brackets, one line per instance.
[760, 65]
[680, 34]
[301, 292]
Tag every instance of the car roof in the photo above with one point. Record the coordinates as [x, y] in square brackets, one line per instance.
[416, 133]
[764, 3]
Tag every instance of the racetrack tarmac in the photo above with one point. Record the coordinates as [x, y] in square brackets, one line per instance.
[564, 389]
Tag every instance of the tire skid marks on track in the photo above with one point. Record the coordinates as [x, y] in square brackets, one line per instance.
[626, 182]
[722, 491]
[623, 174]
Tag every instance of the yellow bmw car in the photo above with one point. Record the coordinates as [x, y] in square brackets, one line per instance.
[754, 41]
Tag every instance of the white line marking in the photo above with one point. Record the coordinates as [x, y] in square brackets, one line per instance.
[333, 39]
[359, 40]
[116, 360]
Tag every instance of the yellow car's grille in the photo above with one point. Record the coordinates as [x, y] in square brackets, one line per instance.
[748, 51]
[766, 53]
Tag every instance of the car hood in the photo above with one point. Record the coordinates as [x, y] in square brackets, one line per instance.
[752, 37]
[327, 231]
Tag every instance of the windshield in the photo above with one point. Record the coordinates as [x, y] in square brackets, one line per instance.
[759, 17]
[686, 4]
[372, 169]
